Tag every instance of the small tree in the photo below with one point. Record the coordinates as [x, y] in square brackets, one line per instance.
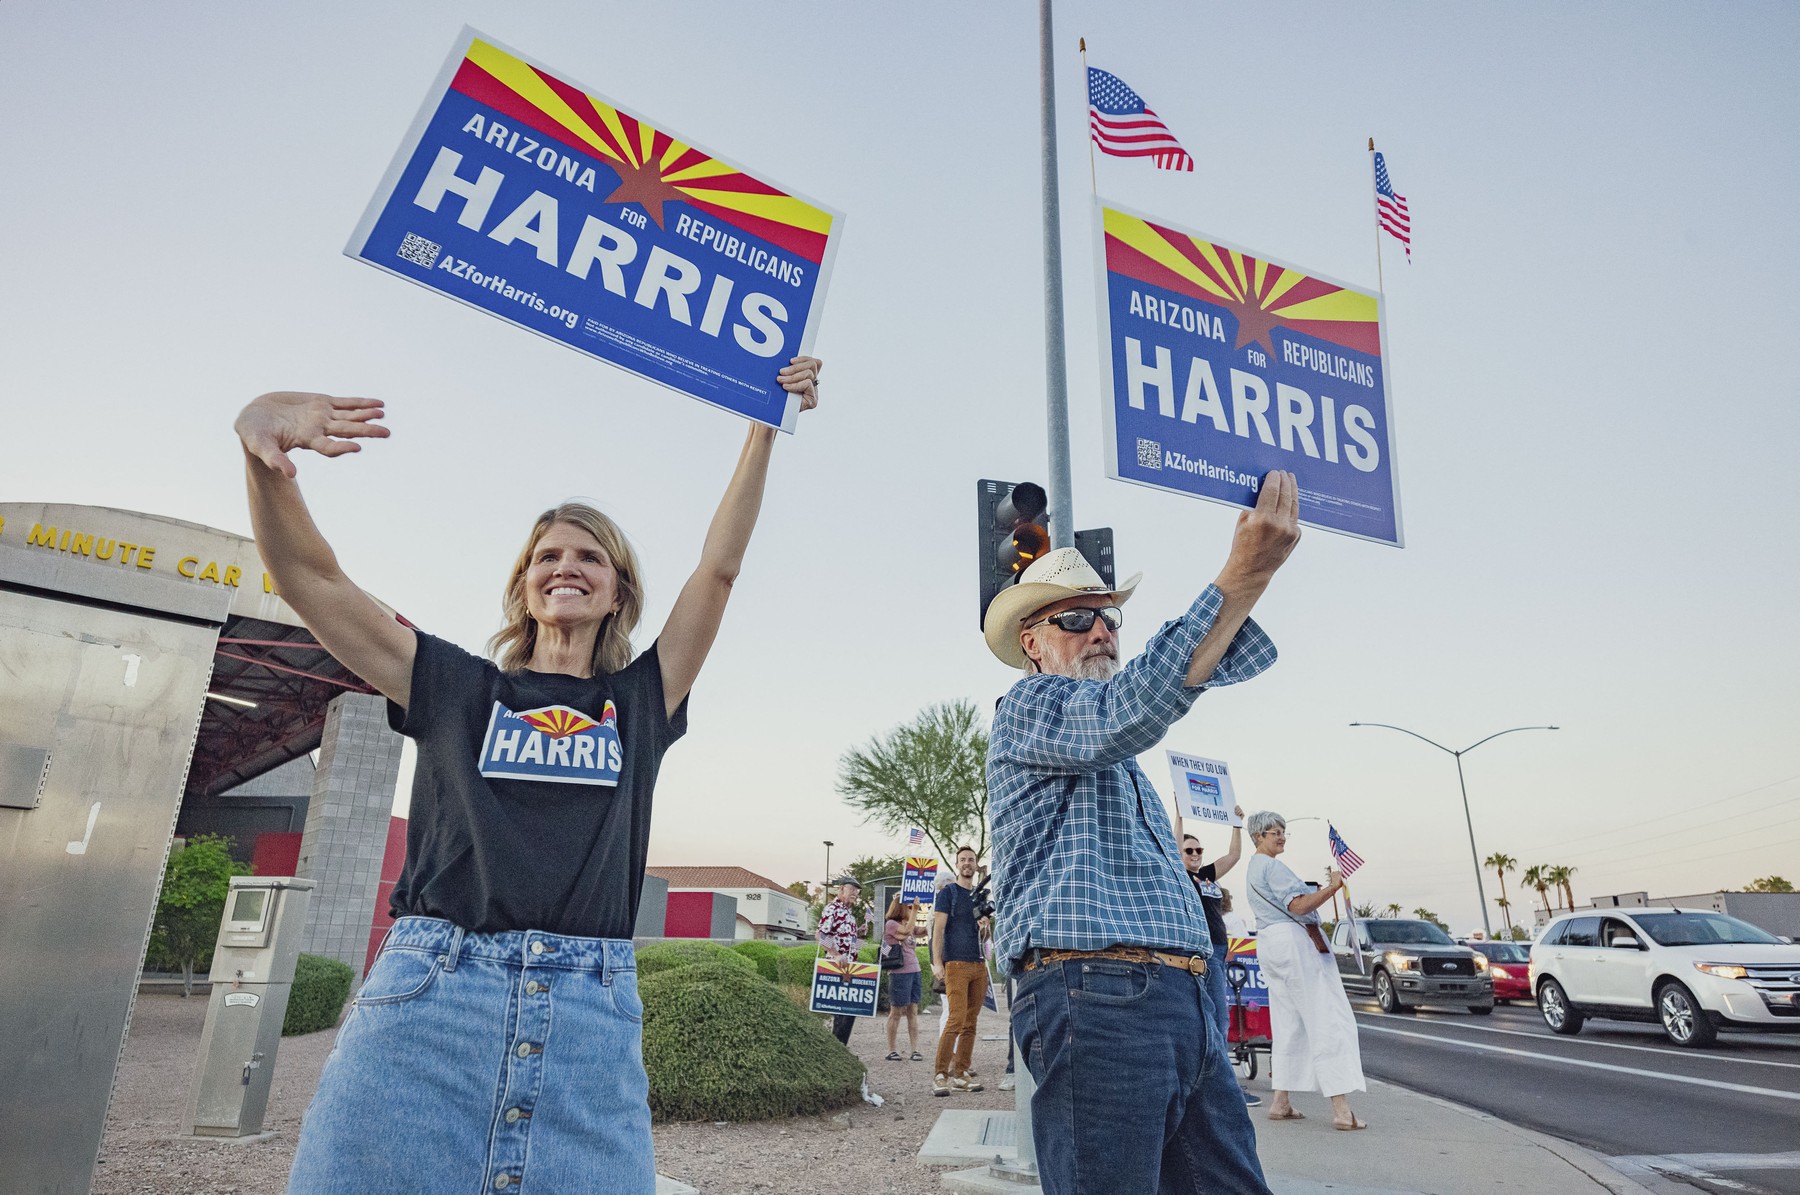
[930, 773]
[1769, 884]
[1364, 911]
[195, 884]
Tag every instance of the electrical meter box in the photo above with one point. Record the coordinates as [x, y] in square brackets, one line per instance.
[252, 973]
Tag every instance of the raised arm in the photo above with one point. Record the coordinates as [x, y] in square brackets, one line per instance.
[1230, 858]
[1310, 901]
[694, 622]
[363, 637]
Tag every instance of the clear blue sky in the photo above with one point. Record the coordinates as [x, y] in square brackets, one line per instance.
[1596, 408]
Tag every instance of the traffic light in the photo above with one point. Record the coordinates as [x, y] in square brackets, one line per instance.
[1011, 528]
[1011, 525]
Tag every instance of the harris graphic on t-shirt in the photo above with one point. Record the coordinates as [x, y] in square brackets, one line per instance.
[556, 743]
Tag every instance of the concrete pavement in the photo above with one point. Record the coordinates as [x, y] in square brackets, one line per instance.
[1414, 1145]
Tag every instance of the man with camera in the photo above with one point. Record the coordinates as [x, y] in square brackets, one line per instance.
[956, 963]
[1105, 935]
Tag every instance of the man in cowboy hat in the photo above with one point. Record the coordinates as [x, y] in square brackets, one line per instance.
[1096, 918]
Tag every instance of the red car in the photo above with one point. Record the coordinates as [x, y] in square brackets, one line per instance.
[1508, 963]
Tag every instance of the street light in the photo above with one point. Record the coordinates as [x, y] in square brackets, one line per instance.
[828, 845]
[1474, 855]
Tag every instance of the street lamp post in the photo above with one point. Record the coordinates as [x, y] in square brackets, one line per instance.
[1474, 855]
[828, 845]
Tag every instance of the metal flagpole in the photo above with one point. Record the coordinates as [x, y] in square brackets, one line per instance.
[1376, 197]
[1056, 374]
[1093, 175]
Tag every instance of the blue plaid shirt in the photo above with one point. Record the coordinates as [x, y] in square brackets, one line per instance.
[1084, 856]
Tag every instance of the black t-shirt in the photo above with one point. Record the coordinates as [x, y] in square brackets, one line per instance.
[531, 799]
[962, 932]
[1207, 884]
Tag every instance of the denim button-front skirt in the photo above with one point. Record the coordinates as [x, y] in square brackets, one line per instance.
[485, 1062]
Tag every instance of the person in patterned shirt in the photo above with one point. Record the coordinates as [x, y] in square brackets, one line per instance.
[1097, 920]
[837, 937]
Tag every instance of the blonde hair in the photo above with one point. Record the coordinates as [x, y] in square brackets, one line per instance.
[513, 644]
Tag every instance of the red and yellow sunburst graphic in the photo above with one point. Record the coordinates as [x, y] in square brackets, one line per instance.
[1241, 946]
[920, 863]
[654, 168]
[1262, 296]
[558, 721]
[848, 970]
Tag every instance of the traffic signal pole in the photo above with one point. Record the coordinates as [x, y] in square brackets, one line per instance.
[1056, 373]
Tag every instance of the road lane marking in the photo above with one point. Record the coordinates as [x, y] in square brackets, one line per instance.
[1599, 1066]
[1619, 1045]
[1739, 1161]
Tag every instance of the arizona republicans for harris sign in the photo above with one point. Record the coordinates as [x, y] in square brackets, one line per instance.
[542, 203]
[1225, 365]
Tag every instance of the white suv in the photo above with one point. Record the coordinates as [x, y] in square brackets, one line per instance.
[1694, 971]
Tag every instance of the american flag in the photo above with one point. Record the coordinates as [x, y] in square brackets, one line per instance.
[915, 837]
[1390, 210]
[1347, 860]
[1124, 126]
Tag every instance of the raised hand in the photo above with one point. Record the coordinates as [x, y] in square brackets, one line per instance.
[283, 420]
[801, 376]
[1264, 536]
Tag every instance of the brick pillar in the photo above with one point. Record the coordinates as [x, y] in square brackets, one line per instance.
[346, 826]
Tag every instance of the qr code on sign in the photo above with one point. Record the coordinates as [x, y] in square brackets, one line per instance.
[1149, 454]
[420, 251]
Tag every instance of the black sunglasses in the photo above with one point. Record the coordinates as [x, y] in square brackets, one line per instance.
[1081, 619]
[1192, 850]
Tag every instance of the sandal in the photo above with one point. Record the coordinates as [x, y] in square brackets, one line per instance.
[894, 1056]
[1290, 1114]
[918, 1057]
[1353, 1126]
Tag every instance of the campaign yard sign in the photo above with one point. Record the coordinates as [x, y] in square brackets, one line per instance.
[918, 879]
[1223, 365]
[847, 989]
[1203, 791]
[1255, 993]
[542, 202]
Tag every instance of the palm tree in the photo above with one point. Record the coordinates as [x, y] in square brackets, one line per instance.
[1502, 863]
[1560, 875]
[1538, 876]
[1392, 909]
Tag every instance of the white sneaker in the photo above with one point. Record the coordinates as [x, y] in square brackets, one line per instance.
[940, 1084]
[1007, 1082]
[963, 1083]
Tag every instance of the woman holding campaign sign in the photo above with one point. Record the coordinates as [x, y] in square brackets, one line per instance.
[499, 1033]
[1310, 1019]
[900, 933]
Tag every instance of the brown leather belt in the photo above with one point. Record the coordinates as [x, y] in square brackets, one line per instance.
[1193, 964]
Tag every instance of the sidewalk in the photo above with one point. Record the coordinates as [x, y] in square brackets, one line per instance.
[1415, 1145]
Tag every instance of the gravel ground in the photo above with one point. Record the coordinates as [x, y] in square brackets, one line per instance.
[143, 1154]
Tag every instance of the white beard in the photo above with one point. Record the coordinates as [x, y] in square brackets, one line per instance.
[1100, 668]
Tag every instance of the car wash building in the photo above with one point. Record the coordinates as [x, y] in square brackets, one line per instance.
[152, 679]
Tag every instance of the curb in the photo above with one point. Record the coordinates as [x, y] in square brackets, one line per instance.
[1584, 1160]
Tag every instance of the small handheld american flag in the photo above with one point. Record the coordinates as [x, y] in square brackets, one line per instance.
[915, 837]
[1124, 126]
[1347, 860]
[1390, 210]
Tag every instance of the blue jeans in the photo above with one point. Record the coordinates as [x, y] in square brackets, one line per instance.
[484, 1062]
[1220, 993]
[1135, 1092]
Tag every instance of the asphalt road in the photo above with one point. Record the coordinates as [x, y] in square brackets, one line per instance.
[1722, 1119]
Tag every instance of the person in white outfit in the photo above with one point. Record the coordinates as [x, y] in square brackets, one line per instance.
[1315, 1045]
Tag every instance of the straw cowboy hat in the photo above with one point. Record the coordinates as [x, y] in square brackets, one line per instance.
[1064, 573]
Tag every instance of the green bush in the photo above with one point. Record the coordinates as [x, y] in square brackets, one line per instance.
[765, 954]
[316, 1001]
[796, 965]
[665, 956]
[720, 1044]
